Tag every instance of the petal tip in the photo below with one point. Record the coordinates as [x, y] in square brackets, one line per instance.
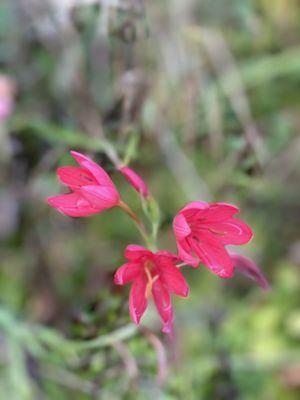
[79, 157]
[50, 201]
[265, 286]
[118, 279]
[225, 274]
[168, 328]
[75, 153]
[135, 318]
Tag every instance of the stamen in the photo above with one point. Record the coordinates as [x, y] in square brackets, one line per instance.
[151, 279]
[148, 274]
[216, 232]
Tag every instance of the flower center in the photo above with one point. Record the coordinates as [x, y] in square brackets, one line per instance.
[199, 226]
[149, 266]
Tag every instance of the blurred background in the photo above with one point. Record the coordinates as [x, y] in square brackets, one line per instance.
[203, 98]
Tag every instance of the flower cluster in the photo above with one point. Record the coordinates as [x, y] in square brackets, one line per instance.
[202, 232]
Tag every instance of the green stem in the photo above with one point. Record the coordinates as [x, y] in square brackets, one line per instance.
[126, 332]
[140, 226]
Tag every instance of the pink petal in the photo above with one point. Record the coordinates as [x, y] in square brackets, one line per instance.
[127, 273]
[75, 177]
[212, 254]
[220, 212]
[197, 205]
[231, 231]
[134, 252]
[6, 108]
[101, 197]
[171, 256]
[135, 180]
[213, 212]
[7, 91]
[137, 299]
[72, 204]
[172, 278]
[186, 253]
[163, 304]
[98, 172]
[181, 227]
[248, 268]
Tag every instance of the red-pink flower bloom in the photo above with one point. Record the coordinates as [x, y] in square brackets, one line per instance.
[7, 91]
[247, 267]
[92, 190]
[202, 230]
[151, 274]
[135, 180]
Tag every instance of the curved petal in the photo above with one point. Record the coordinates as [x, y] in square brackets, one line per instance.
[134, 252]
[193, 210]
[220, 212]
[185, 253]
[72, 204]
[172, 277]
[135, 180]
[213, 212]
[101, 197]
[163, 304]
[181, 227]
[75, 177]
[231, 231]
[137, 298]
[127, 273]
[170, 256]
[212, 254]
[248, 268]
[197, 205]
[98, 172]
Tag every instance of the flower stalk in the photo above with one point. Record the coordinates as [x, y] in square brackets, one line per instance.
[139, 224]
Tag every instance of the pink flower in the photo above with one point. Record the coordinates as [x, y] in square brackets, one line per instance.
[7, 91]
[92, 190]
[151, 274]
[135, 181]
[247, 267]
[202, 230]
